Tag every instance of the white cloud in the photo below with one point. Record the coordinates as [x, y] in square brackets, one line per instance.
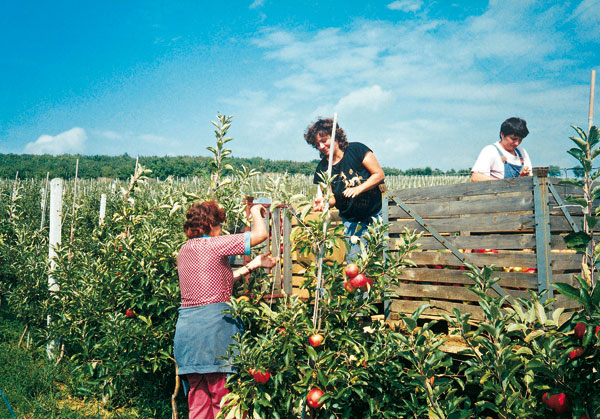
[368, 98]
[71, 141]
[406, 5]
[257, 3]
[111, 135]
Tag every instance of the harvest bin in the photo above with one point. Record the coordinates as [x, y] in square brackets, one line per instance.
[517, 225]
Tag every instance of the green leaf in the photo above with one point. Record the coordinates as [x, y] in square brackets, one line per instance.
[577, 200]
[573, 182]
[582, 144]
[533, 335]
[568, 291]
[577, 241]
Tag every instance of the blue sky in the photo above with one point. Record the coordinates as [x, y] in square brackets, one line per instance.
[423, 83]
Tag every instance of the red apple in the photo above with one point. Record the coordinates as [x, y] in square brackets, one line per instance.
[359, 281]
[560, 404]
[580, 330]
[546, 399]
[313, 398]
[351, 270]
[259, 376]
[576, 353]
[315, 340]
[129, 313]
[348, 286]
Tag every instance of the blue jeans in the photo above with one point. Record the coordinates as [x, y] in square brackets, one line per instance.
[356, 228]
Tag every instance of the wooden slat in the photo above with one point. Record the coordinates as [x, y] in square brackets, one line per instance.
[483, 205]
[438, 307]
[485, 223]
[511, 241]
[450, 276]
[465, 189]
[480, 259]
[447, 292]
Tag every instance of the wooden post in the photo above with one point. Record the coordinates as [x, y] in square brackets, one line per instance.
[102, 208]
[592, 89]
[287, 253]
[542, 235]
[56, 195]
[276, 247]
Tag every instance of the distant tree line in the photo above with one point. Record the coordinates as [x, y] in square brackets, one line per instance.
[36, 166]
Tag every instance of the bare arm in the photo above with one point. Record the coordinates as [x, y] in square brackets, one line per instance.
[478, 177]
[265, 261]
[372, 165]
[258, 233]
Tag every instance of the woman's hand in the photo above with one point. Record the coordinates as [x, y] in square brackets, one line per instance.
[352, 192]
[258, 211]
[263, 261]
[526, 171]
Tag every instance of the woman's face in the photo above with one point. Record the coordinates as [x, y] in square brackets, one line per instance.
[323, 143]
[510, 142]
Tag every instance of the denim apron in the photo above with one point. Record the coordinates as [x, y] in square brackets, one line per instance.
[202, 336]
[511, 170]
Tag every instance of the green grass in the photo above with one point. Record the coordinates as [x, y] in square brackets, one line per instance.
[37, 388]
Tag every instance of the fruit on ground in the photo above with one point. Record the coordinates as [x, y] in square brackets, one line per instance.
[259, 376]
[580, 330]
[348, 286]
[359, 281]
[576, 353]
[351, 270]
[129, 313]
[313, 398]
[315, 340]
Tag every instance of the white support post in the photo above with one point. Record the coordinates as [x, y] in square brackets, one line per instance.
[56, 198]
[102, 208]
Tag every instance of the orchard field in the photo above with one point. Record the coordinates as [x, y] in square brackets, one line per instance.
[112, 319]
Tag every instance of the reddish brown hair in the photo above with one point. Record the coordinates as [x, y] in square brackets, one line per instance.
[323, 128]
[201, 217]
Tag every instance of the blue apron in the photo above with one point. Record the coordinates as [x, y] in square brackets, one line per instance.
[511, 170]
[202, 336]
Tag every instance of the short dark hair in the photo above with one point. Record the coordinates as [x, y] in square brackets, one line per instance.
[201, 217]
[323, 127]
[514, 126]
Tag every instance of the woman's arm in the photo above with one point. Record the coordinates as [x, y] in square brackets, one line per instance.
[258, 233]
[478, 177]
[265, 261]
[377, 176]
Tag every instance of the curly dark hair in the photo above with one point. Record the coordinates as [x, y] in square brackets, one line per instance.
[322, 128]
[201, 216]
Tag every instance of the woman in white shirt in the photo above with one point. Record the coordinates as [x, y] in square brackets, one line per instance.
[504, 159]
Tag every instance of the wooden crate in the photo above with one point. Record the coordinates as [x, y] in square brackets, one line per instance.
[523, 220]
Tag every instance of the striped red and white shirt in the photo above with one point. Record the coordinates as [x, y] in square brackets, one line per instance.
[205, 275]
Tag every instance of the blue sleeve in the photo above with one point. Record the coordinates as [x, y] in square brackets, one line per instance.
[247, 243]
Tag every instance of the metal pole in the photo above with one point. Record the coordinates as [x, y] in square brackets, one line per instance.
[56, 195]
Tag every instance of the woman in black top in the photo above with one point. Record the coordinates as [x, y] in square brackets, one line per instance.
[356, 191]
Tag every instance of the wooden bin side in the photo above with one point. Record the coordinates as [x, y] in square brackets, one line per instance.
[499, 216]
